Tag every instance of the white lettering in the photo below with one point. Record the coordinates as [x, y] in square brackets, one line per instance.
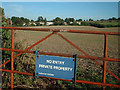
[55, 67]
[55, 62]
[46, 74]
[45, 66]
[62, 68]
[48, 61]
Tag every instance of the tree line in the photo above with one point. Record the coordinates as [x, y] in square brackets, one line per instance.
[20, 21]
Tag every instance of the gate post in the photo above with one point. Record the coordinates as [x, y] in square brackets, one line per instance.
[105, 56]
[12, 60]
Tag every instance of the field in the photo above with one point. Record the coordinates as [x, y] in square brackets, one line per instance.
[101, 24]
[90, 43]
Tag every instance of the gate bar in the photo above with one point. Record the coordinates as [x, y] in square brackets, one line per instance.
[105, 46]
[105, 55]
[78, 81]
[68, 55]
[12, 59]
[75, 31]
[72, 44]
[77, 47]
[59, 30]
[64, 55]
[28, 48]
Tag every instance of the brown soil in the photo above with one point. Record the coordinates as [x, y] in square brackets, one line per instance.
[90, 43]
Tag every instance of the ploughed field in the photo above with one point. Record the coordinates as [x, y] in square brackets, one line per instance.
[92, 44]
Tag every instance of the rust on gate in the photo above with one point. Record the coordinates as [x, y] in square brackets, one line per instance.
[85, 56]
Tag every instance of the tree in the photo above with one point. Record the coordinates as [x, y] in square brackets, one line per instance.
[32, 20]
[113, 18]
[70, 21]
[67, 21]
[119, 18]
[22, 18]
[5, 40]
[58, 21]
[79, 20]
[45, 21]
[17, 21]
[26, 21]
[90, 19]
[37, 23]
[102, 19]
[3, 19]
[40, 18]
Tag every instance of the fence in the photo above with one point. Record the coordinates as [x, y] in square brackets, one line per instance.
[85, 56]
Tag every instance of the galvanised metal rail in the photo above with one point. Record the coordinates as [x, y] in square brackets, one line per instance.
[85, 56]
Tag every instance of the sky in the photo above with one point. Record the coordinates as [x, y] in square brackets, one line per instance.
[59, 0]
[51, 10]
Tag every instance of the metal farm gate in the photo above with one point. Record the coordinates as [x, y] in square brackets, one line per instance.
[85, 56]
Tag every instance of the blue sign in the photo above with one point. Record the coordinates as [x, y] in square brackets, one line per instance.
[55, 67]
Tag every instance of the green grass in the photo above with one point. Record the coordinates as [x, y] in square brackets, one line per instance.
[109, 24]
[101, 24]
